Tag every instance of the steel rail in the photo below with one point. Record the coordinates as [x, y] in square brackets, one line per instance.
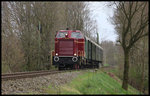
[27, 74]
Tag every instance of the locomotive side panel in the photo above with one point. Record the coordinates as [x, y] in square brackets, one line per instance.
[80, 47]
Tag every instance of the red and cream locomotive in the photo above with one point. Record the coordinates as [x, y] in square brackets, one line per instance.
[74, 51]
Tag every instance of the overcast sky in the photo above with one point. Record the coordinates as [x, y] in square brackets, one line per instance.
[102, 13]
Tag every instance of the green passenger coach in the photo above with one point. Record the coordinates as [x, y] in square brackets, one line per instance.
[93, 53]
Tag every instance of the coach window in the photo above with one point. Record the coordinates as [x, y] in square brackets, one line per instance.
[61, 34]
[76, 35]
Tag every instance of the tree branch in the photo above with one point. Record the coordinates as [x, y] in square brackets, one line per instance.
[124, 11]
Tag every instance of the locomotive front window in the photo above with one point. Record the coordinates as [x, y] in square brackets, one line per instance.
[76, 35]
[61, 34]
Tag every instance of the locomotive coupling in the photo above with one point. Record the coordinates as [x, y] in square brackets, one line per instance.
[74, 59]
[56, 58]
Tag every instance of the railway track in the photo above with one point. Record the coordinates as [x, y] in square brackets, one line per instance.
[31, 74]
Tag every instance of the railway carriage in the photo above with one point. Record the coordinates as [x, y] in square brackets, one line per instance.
[74, 51]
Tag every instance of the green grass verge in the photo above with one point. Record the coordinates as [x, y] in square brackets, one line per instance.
[92, 83]
[106, 64]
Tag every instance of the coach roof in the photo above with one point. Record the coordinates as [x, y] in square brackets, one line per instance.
[93, 42]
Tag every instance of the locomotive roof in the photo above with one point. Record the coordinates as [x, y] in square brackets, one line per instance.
[93, 42]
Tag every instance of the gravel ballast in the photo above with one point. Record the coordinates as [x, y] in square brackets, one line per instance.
[37, 84]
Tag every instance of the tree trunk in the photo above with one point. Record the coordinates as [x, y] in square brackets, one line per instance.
[142, 77]
[126, 70]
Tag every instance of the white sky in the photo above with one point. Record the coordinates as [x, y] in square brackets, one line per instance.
[102, 13]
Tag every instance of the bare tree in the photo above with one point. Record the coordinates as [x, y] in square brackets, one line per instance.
[12, 53]
[131, 20]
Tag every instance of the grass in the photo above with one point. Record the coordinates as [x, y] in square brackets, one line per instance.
[92, 83]
[106, 64]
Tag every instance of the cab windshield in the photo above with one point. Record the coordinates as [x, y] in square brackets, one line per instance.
[61, 34]
[76, 35]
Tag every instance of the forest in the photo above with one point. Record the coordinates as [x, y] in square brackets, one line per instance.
[29, 29]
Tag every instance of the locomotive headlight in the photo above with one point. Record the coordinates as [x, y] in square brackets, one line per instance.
[75, 54]
[66, 35]
[56, 54]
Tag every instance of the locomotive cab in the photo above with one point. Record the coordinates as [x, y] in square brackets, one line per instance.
[69, 48]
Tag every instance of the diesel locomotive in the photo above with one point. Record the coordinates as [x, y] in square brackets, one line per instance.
[73, 50]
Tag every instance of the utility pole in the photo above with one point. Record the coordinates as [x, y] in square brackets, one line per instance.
[97, 38]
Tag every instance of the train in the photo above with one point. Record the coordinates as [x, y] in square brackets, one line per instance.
[73, 50]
